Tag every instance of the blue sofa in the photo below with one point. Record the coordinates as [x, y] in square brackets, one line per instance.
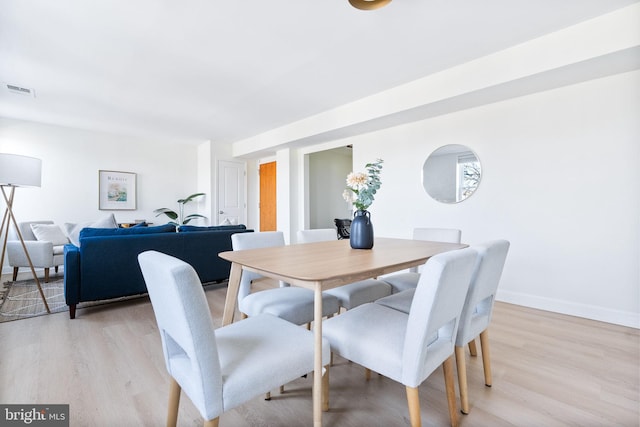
[106, 263]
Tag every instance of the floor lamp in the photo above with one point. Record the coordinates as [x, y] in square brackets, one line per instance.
[18, 171]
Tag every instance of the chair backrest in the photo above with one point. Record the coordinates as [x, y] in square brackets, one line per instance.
[343, 227]
[242, 241]
[449, 235]
[317, 235]
[478, 306]
[25, 230]
[186, 329]
[435, 313]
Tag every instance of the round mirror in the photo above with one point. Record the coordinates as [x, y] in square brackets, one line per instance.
[451, 173]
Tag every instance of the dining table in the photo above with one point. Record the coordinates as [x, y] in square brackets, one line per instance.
[324, 265]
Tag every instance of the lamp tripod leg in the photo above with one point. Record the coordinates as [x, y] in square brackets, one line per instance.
[4, 231]
[9, 213]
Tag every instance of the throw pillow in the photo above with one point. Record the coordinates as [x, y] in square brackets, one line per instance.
[73, 230]
[49, 233]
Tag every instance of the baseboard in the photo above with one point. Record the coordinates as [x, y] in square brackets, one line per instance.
[617, 317]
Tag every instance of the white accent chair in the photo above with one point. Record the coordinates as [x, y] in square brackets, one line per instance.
[408, 347]
[353, 294]
[44, 254]
[402, 281]
[291, 303]
[476, 313]
[220, 369]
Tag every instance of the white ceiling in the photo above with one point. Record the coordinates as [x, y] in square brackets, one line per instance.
[223, 71]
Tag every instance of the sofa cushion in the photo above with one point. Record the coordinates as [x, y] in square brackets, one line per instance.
[187, 228]
[93, 232]
[73, 230]
[49, 233]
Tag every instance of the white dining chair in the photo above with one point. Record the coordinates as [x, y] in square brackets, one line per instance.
[352, 294]
[408, 280]
[291, 303]
[477, 312]
[220, 369]
[408, 347]
[316, 235]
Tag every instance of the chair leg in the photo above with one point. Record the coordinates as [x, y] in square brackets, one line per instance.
[472, 348]
[367, 374]
[174, 403]
[486, 357]
[447, 367]
[267, 395]
[325, 389]
[46, 275]
[462, 379]
[413, 400]
[212, 423]
[15, 274]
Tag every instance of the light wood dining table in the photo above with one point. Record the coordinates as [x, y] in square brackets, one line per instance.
[321, 266]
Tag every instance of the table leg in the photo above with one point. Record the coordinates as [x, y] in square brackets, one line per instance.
[232, 294]
[317, 361]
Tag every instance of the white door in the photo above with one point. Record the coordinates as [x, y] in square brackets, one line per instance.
[231, 198]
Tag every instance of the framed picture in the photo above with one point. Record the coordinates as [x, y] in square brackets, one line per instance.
[117, 190]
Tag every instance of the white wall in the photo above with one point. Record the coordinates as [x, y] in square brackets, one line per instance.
[71, 159]
[559, 161]
[560, 181]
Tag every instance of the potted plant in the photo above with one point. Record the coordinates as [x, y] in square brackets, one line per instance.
[178, 218]
[360, 192]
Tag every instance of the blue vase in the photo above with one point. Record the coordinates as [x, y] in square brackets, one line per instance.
[361, 230]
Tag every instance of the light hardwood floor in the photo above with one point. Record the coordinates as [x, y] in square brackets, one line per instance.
[548, 370]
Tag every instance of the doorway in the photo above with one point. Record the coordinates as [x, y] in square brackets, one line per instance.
[268, 213]
[327, 173]
[231, 199]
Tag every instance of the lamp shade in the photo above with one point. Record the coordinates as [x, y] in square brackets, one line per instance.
[20, 171]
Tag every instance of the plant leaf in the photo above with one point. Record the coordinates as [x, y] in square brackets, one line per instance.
[190, 198]
[192, 216]
[168, 212]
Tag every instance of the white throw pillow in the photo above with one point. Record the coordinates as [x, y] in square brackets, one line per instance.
[73, 230]
[49, 233]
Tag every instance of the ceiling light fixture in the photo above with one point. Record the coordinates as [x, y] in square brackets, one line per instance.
[369, 4]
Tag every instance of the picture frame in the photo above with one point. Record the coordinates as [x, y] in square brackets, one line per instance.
[117, 190]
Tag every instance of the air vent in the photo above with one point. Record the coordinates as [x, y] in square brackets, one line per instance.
[19, 90]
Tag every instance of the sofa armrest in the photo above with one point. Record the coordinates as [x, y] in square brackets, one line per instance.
[71, 274]
[40, 252]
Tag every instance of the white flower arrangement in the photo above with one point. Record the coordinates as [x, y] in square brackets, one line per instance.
[362, 187]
